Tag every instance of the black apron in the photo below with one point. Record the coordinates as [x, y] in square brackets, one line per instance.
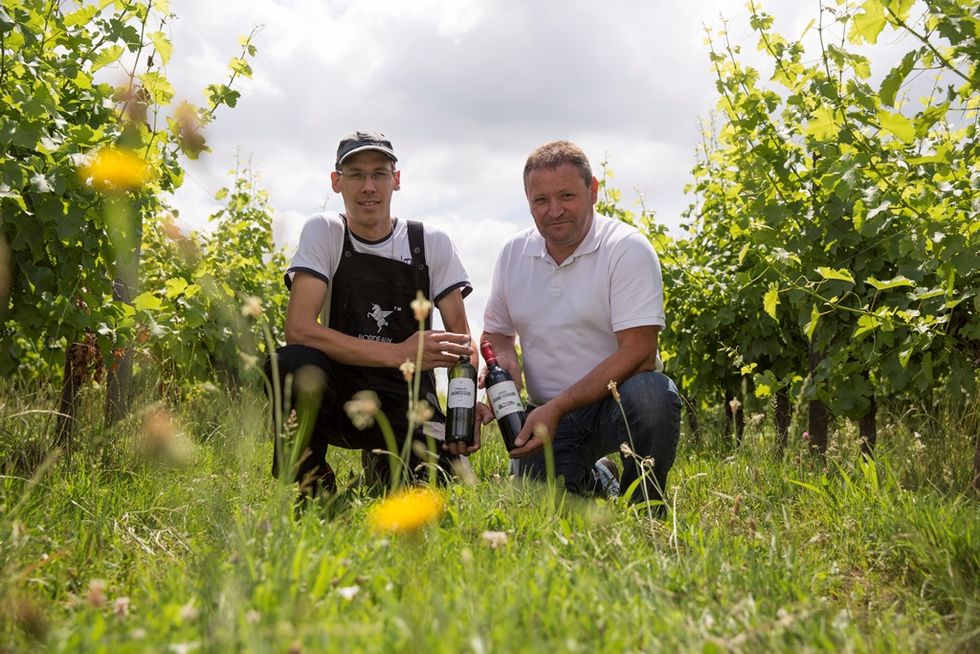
[371, 298]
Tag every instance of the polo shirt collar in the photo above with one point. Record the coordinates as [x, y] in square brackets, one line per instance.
[535, 245]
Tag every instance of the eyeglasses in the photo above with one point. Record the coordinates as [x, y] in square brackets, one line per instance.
[358, 178]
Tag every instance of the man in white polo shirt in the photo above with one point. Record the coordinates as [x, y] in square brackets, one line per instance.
[584, 295]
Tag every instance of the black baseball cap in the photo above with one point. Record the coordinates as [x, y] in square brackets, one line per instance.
[361, 141]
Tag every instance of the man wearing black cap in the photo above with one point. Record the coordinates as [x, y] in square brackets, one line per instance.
[352, 283]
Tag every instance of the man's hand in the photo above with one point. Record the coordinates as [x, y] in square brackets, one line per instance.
[539, 429]
[507, 362]
[482, 416]
[439, 349]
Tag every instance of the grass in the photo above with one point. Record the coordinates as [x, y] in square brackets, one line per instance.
[126, 547]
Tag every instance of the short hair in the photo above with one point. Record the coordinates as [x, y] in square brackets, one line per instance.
[554, 154]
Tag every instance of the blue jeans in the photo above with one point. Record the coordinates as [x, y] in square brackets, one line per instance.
[653, 411]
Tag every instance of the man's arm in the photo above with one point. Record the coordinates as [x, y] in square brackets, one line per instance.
[306, 298]
[637, 352]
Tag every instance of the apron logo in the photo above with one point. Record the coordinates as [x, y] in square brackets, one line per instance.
[379, 316]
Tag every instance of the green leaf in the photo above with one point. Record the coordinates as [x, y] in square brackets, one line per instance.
[743, 252]
[927, 294]
[81, 16]
[240, 66]
[897, 124]
[771, 301]
[893, 80]
[221, 94]
[175, 287]
[160, 89]
[894, 282]
[867, 25]
[930, 158]
[106, 56]
[147, 301]
[821, 125]
[811, 326]
[162, 45]
[866, 324]
[900, 8]
[6, 22]
[835, 273]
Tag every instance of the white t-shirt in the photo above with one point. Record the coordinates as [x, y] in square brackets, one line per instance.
[566, 317]
[321, 244]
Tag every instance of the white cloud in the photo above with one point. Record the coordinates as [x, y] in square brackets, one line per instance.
[465, 89]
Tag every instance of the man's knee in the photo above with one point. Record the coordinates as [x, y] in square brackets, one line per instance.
[653, 395]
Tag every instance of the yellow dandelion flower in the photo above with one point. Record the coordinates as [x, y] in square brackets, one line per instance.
[116, 170]
[406, 511]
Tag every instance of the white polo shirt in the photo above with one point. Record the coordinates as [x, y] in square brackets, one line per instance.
[566, 317]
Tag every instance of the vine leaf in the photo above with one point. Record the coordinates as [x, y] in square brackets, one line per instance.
[897, 124]
[821, 125]
[811, 326]
[106, 56]
[771, 300]
[893, 80]
[162, 45]
[894, 282]
[835, 273]
[867, 25]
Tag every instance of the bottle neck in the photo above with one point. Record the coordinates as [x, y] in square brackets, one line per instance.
[487, 350]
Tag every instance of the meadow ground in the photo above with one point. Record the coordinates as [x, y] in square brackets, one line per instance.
[172, 537]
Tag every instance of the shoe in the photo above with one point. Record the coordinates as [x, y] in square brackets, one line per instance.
[606, 475]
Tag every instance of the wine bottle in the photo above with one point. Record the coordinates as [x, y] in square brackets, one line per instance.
[461, 402]
[504, 398]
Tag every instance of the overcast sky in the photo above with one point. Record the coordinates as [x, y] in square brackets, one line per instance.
[465, 89]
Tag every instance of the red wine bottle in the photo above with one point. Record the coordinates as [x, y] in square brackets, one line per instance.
[504, 398]
[461, 402]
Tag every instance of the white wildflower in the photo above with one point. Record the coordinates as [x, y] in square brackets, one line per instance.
[361, 408]
[495, 539]
[252, 307]
[421, 307]
[348, 592]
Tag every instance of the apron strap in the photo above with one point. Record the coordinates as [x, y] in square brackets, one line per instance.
[416, 244]
[348, 247]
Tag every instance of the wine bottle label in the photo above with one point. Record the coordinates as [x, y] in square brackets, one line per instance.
[504, 399]
[462, 394]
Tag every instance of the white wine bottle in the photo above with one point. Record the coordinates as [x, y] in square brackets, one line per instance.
[461, 402]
